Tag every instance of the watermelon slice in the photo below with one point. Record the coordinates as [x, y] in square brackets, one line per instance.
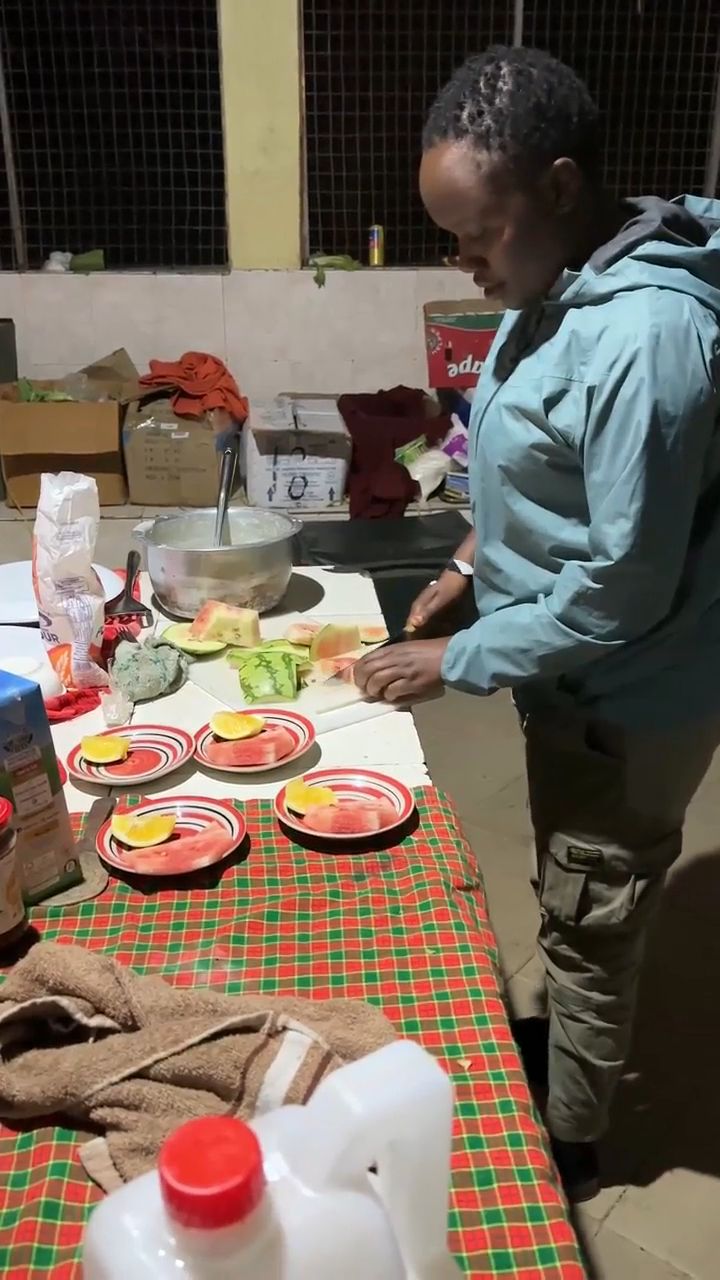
[303, 632]
[226, 622]
[266, 748]
[350, 817]
[326, 668]
[178, 856]
[374, 635]
[333, 640]
[268, 677]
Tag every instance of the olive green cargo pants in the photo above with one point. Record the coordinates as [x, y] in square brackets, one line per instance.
[607, 808]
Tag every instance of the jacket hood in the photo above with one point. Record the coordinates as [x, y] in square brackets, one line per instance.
[663, 244]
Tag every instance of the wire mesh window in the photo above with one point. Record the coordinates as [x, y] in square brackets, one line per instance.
[115, 118]
[652, 66]
[372, 68]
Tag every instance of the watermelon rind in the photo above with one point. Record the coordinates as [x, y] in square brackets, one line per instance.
[269, 677]
[238, 657]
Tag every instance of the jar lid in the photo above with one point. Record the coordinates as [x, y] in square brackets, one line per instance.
[6, 812]
[211, 1173]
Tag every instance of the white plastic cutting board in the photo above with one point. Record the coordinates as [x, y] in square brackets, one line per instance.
[320, 703]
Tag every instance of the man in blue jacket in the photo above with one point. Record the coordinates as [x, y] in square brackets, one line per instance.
[595, 548]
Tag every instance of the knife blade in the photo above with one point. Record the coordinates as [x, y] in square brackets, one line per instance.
[397, 638]
[99, 812]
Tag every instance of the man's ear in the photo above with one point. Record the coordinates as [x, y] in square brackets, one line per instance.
[562, 183]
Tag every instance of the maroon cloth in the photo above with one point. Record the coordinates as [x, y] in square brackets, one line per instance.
[379, 424]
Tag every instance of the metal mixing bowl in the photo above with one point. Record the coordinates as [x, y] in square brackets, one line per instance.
[186, 570]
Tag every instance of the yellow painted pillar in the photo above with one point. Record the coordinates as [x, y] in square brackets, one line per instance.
[260, 58]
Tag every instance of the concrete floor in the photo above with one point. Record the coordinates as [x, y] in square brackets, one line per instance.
[658, 1217]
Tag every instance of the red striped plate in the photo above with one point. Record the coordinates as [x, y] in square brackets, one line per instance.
[351, 784]
[155, 750]
[211, 829]
[301, 731]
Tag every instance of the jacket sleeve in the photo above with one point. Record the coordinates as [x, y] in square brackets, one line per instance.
[649, 423]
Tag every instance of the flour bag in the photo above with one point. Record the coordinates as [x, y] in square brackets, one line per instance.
[69, 595]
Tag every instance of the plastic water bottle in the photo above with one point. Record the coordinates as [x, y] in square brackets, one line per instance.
[290, 1196]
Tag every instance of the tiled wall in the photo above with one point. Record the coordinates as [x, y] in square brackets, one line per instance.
[275, 329]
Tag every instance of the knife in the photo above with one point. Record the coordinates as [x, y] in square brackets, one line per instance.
[95, 877]
[397, 638]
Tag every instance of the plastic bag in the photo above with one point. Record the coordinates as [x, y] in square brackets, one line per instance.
[429, 471]
[455, 444]
[70, 598]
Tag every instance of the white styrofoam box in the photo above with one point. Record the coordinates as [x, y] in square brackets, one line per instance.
[296, 453]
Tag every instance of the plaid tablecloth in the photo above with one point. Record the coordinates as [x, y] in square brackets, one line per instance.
[406, 929]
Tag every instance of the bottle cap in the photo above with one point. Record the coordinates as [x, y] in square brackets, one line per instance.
[211, 1173]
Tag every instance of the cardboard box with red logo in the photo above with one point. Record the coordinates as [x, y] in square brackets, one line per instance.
[458, 337]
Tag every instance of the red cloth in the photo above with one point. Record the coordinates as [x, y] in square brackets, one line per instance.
[120, 628]
[69, 705]
[200, 382]
[115, 630]
[379, 424]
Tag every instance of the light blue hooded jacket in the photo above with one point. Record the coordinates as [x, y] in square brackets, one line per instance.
[595, 483]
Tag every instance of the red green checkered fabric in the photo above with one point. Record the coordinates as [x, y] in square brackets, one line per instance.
[406, 929]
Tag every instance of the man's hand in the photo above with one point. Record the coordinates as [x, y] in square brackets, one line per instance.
[436, 599]
[397, 672]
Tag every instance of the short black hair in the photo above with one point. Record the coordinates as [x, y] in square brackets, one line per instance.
[519, 103]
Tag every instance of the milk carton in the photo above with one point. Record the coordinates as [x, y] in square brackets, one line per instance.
[29, 778]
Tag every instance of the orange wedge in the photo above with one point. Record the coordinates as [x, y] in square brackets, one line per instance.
[104, 748]
[139, 832]
[233, 726]
[300, 795]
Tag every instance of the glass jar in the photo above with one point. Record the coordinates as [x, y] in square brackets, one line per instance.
[13, 913]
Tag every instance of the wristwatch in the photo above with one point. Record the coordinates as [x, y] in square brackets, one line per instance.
[459, 566]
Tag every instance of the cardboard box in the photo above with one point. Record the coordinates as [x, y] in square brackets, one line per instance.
[458, 336]
[296, 452]
[69, 436]
[173, 461]
[29, 778]
[73, 435]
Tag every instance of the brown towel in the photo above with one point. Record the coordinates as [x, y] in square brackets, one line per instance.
[84, 1038]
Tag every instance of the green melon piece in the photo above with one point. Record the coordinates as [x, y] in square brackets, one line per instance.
[295, 650]
[269, 677]
[178, 635]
